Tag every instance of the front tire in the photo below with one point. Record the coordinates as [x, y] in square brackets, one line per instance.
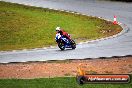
[61, 46]
[80, 80]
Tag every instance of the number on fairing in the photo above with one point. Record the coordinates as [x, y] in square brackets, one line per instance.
[58, 35]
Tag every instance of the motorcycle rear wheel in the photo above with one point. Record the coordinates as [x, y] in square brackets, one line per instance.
[73, 44]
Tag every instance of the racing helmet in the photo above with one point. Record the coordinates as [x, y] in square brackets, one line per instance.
[58, 29]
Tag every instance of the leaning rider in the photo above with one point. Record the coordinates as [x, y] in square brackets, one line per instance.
[62, 32]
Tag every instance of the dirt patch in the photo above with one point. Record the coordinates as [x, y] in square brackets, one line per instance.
[122, 65]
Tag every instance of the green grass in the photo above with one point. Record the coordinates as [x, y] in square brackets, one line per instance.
[30, 27]
[62, 82]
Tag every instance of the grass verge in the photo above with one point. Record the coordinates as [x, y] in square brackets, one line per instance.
[62, 82]
[32, 27]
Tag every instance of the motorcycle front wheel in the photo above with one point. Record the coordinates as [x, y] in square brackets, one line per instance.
[61, 46]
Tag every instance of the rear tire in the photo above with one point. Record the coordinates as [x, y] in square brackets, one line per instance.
[73, 44]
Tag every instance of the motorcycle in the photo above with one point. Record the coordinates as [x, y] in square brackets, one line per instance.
[64, 42]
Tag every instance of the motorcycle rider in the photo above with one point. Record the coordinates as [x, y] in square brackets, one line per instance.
[62, 32]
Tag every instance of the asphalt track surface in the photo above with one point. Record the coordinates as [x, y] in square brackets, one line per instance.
[118, 46]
